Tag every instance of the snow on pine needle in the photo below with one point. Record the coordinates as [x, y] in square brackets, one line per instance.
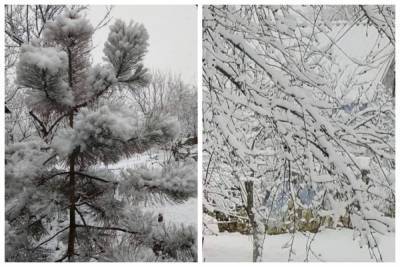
[63, 202]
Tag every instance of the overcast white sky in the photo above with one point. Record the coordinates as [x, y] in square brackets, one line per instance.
[172, 31]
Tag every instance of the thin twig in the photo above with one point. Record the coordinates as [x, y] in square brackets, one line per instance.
[47, 240]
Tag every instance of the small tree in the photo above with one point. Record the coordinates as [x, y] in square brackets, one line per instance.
[54, 182]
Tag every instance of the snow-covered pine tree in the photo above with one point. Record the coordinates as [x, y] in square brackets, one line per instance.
[61, 204]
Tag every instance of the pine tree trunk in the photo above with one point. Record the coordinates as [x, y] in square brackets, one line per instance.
[258, 235]
[72, 224]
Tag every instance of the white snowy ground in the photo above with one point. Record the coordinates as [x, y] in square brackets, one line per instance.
[329, 245]
[185, 213]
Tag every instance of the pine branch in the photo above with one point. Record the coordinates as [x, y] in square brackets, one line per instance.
[93, 207]
[105, 228]
[56, 123]
[50, 158]
[92, 177]
[51, 238]
[63, 258]
[41, 124]
[45, 179]
[44, 130]
[81, 216]
[96, 96]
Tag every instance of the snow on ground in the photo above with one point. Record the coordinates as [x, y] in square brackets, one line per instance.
[185, 213]
[329, 245]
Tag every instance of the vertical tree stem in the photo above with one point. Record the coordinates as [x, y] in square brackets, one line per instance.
[72, 223]
[257, 240]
